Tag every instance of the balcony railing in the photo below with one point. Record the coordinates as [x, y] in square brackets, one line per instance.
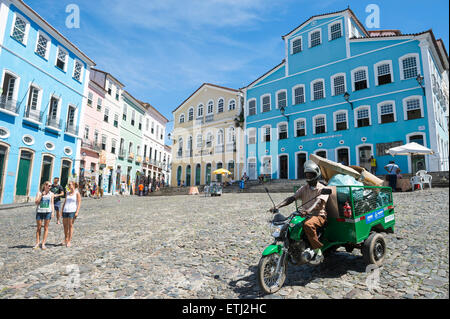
[209, 118]
[122, 153]
[138, 159]
[9, 105]
[71, 129]
[130, 156]
[53, 123]
[33, 115]
[91, 145]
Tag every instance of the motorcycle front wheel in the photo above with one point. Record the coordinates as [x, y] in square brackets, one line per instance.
[268, 279]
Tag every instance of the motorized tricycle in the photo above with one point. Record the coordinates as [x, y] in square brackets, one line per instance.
[356, 218]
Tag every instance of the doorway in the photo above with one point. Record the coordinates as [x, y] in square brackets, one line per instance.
[417, 161]
[188, 175]
[342, 156]
[208, 174]
[23, 173]
[46, 169]
[65, 170]
[301, 159]
[283, 167]
[3, 153]
[252, 169]
[364, 153]
[198, 170]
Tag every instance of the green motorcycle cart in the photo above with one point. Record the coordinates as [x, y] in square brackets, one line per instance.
[356, 218]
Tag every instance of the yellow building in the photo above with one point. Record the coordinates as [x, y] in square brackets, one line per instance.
[208, 134]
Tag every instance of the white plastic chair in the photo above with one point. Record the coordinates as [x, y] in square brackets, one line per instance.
[426, 179]
[421, 173]
[416, 180]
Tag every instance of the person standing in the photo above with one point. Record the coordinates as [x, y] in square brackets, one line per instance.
[392, 170]
[70, 210]
[373, 165]
[58, 191]
[44, 212]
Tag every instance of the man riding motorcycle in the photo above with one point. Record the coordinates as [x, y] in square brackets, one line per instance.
[316, 207]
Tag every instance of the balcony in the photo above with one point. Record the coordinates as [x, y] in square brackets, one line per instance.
[71, 130]
[122, 153]
[220, 149]
[131, 156]
[9, 106]
[209, 118]
[91, 145]
[199, 121]
[53, 123]
[138, 159]
[33, 116]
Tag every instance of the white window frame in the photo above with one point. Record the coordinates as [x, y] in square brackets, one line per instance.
[400, 63]
[375, 70]
[202, 108]
[353, 76]
[252, 131]
[197, 144]
[210, 138]
[333, 92]
[301, 44]
[229, 104]
[248, 106]
[231, 135]
[278, 129]
[322, 150]
[393, 110]
[75, 61]
[16, 84]
[295, 126]
[261, 167]
[329, 30]
[58, 112]
[207, 107]
[412, 97]
[276, 95]
[261, 102]
[181, 116]
[56, 58]
[334, 118]
[309, 36]
[219, 141]
[191, 109]
[27, 27]
[47, 49]
[75, 114]
[263, 133]
[312, 89]
[355, 114]
[39, 100]
[293, 93]
[223, 105]
[314, 123]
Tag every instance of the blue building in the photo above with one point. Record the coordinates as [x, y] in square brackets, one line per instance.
[43, 80]
[345, 93]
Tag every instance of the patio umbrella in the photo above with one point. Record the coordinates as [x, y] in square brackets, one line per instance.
[410, 149]
[221, 171]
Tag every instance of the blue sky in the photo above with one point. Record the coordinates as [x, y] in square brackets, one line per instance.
[163, 50]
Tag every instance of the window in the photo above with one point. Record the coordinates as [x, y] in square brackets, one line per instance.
[200, 110]
[33, 98]
[362, 117]
[413, 108]
[315, 38]
[96, 136]
[210, 107]
[299, 94]
[71, 116]
[153, 126]
[209, 138]
[220, 137]
[383, 73]
[9, 87]
[181, 118]
[113, 146]
[282, 99]
[104, 142]
[359, 79]
[252, 107]
[199, 141]
[117, 93]
[191, 114]
[220, 106]
[319, 124]
[252, 136]
[265, 102]
[116, 120]
[77, 70]
[20, 29]
[335, 31]
[61, 59]
[338, 82]
[90, 98]
[54, 106]
[99, 104]
[231, 135]
[318, 91]
[124, 112]
[266, 133]
[106, 115]
[42, 45]
[296, 45]
[386, 113]
[133, 117]
[140, 123]
[231, 105]
[340, 119]
[282, 131]
[409, 67]
[86, 132]
[300, 128]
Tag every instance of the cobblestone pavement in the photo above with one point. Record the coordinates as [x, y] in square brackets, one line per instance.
[202, 247]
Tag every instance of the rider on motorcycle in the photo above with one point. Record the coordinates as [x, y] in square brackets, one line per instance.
[316, 207]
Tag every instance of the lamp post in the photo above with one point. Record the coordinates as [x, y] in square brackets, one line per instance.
[419, 80]
[347, 99]
[283, 110]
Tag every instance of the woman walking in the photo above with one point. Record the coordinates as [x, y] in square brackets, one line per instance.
[70, 210]
[44, 212]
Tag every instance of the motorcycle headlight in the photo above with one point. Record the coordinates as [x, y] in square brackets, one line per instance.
[275, 230]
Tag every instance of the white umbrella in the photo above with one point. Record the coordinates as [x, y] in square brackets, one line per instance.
[410, 149]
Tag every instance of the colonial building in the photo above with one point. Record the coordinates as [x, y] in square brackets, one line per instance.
[207, 136]
[43, 80]
[344, 93]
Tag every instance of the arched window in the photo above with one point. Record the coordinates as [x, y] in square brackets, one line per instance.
[210, 107]
[220, 106]
[231, 135]
[200, 110]
[220, 137]
[181, 118]
[191, 114]
[231, 105]
[252, 107]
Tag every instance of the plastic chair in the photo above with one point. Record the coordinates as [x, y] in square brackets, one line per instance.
[421, 173]
[416, 180]
[426, 179]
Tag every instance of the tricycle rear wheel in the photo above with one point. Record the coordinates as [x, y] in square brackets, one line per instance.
[374, 249]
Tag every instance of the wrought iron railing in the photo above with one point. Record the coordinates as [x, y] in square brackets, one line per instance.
[9, 104]
[33, 115]
[71, 129]
[54, 123]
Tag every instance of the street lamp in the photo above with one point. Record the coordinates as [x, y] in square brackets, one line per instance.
[283, 110]
[347, 99]
[419, 80]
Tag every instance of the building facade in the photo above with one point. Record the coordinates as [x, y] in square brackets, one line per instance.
[345, 94]
[206, 137]
[43, 80]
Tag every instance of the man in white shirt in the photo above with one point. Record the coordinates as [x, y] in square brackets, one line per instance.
[392, 170]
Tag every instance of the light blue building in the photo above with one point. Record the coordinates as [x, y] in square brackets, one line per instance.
[43, 80]
[345, 93]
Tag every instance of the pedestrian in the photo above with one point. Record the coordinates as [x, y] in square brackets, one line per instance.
[373, 165]
[393, 170]
[145, 189]
[58, 191]
[141, 189]
[70, 210]
[45, 210]
[123, 187]
[158, 184]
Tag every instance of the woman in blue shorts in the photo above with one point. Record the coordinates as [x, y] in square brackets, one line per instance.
[70, 210]
[44, 212]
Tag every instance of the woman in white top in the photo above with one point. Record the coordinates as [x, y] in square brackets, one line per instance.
[70, 210]
[44, 212]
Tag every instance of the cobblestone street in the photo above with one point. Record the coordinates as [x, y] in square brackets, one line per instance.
[209, 247]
